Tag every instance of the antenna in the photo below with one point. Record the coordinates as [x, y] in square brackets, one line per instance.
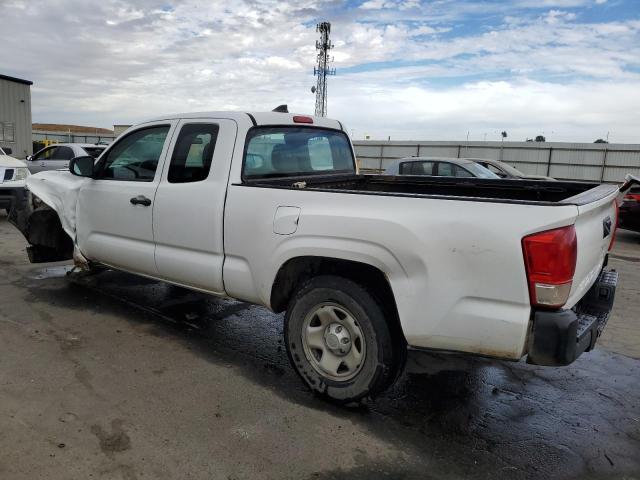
[322, 70]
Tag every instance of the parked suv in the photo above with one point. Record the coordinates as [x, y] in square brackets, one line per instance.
[13, 174]
[56, 157]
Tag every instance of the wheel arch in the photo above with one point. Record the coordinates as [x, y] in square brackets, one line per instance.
[297, 270]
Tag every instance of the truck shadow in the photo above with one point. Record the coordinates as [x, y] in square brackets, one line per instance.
[512, 419]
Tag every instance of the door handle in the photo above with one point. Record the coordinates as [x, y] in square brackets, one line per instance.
[140, 200]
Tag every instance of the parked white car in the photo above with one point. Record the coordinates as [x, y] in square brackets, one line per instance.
[57, 157]
[269, 208]
[439, 167]
[13, 176]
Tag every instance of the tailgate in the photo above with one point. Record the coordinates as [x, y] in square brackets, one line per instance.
[595, 227]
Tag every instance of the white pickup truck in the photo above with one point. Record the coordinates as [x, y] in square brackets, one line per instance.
[269, 208]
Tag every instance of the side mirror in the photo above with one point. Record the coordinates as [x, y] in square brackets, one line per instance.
[7, 150]
[29, 158]
[82, 166]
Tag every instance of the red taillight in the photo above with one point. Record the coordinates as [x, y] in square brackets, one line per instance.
[634, 197]
[302, 119]
[615, 225]
[550, 260]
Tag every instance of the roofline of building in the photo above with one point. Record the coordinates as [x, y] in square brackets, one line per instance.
[14, 79]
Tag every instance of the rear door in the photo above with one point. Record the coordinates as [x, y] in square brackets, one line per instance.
[189, 206]
[114, 212]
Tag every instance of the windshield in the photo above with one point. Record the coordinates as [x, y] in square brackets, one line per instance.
[479, 171]
[296, 151]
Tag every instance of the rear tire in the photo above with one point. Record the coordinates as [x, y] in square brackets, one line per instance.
[340, 341]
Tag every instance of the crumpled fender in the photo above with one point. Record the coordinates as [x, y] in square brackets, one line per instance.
[59, 190]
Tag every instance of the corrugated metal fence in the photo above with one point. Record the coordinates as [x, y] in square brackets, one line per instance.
[600, 162]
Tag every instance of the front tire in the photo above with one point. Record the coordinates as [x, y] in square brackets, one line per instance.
[339, 340]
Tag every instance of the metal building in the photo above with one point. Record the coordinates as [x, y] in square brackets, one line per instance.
[15, 115]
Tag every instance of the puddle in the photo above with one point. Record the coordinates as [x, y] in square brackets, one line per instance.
[50, 272]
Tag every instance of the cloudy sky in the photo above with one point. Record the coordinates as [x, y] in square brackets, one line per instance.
[409, 69]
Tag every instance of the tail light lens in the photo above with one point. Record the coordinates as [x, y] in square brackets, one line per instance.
[550, 262]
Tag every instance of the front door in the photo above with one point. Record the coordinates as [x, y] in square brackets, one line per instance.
[39, 160]
[114, 224]
[189, 207]
[59, 159]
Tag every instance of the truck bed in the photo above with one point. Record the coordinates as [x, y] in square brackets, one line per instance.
[470, 189]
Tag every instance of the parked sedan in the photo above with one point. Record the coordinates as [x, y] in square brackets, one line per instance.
[504, 170]
[56, 157]
[629, 217]
[439, 167]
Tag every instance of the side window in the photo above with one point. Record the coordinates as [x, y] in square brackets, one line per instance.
[193, 153]
[63, 153]
[463, 172]
[445, 169]
[405, 168]
[416, 168]
[93, 151]
[46, 154]
[135, 157]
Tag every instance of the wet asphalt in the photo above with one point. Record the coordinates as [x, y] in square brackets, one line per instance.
[446, 417]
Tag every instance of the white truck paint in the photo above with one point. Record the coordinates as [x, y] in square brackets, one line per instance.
[454, 264]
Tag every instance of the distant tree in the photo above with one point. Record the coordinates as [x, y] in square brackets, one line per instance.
[540, 138]
[600, 140]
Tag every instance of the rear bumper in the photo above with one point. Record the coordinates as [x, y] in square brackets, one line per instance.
[559, 337]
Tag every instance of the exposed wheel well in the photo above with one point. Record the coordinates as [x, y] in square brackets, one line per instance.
[297, 270]
[49, 242]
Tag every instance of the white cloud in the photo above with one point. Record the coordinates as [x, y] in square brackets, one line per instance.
[109, 62]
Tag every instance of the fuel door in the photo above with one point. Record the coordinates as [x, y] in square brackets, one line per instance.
[285, 221]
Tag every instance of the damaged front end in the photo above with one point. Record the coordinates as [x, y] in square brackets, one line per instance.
[41, 226]
[46, 215]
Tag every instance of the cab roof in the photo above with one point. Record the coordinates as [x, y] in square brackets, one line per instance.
[257, 118]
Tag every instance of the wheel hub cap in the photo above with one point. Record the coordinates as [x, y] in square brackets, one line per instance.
[338, 339]
[333, 342]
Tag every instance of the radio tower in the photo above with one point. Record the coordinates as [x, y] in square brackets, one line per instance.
[322, 70]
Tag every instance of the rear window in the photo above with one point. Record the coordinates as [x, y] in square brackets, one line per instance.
[292, 151]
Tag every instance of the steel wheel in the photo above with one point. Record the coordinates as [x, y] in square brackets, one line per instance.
[333, 342]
